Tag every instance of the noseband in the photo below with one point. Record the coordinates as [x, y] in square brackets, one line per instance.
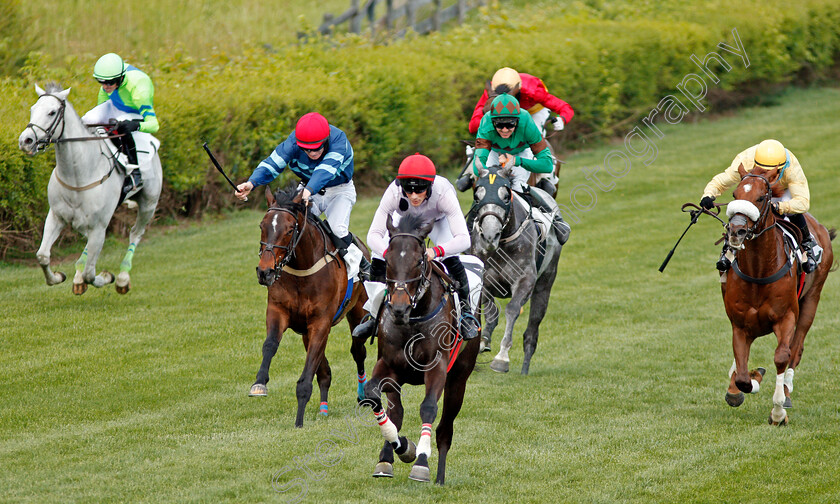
[491, 197]
[42, 143]
[424, 278]
[765, 209]
[289, 249]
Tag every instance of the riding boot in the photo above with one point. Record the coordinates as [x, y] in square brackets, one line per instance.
[469, 326]
[723, 264]
[133, 179]
[808, 245]
[546, 186]
[561, 227]
[367, 327]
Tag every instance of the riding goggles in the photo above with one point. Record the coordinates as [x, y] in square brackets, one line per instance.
[505, 123]
[109, 82]
[313, 149]
[415, 186]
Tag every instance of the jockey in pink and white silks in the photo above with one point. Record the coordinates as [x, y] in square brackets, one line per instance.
[320, 154]
[419, 191]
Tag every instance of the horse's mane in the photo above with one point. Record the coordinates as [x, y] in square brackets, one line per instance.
[53, 87]
[411, 224]
[284, 198]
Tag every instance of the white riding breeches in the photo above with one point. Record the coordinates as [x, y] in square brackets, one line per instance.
[440, 234]
[336, 203]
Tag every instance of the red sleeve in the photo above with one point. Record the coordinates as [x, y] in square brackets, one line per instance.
[478, 113]
[540, 94]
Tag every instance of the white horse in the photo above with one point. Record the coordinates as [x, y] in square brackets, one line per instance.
[85, 187]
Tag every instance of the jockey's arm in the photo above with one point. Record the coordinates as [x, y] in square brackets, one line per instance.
[377, 237]
[142, 94]
[543, 163]
[556, 105]
[460, 241]
[270, 168]
[482, 152]
[800, 195]
[730, 177]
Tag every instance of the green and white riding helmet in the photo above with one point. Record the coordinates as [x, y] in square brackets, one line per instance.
[504, 106]
[109, 67]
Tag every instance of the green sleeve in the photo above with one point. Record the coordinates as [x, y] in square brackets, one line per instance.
[103, 97]
[532, 136]
[142, 95]
[486, 132]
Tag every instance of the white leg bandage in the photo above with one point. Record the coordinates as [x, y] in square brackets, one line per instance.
[389, 430]
[789, 379]
[425, 444]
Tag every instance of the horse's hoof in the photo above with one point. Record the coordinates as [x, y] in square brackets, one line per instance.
[500, 366]
[410, 453]
[761, 371]
[735, 400]
[782, 423]
[258, 390]
[79, 288]
[383, 470]
[123, 283]
[484, 347]
[788, 404]
[62, 275]
[108, 277]
[419, 473]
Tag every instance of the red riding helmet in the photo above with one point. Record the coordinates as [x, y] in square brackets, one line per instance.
[417, 166]
[312, 131]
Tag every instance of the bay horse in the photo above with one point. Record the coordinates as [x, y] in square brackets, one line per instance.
[504, 235]
[308, 292]
[84, 189]
[760, 289]
[419, 344]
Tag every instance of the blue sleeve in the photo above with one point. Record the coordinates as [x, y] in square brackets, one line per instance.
[272, 166]
[337, 163]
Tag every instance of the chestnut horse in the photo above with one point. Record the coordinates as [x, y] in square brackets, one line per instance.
[419, 345]
[760, 290]
[308, 292]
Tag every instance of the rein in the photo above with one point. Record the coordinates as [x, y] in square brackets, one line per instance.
[297, 233]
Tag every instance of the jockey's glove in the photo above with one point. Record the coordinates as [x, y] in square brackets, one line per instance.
[707, 202]
[470, 150]
[126, 127]
[775, 207]
[558, 123]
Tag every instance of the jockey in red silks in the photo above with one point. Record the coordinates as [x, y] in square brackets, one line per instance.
[418, 190]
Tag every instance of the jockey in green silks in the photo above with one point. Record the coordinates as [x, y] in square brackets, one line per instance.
[508, 136]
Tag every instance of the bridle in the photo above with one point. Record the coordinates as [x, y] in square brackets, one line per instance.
[424, 278]
[41, 144]
[491, 198]
[763, 211]
[289, 249]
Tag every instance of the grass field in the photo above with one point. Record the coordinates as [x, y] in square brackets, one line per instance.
[143, 398]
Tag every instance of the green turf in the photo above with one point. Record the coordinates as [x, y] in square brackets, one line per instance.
[143, 397]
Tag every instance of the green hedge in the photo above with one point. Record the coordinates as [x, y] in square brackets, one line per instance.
[610, 61]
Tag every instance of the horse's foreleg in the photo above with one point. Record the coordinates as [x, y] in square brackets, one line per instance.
[317, 334]
[539, 305]
[435, 381]
[52, 228]
[358, 350]
[324, 374]
[521, 292]
[382, 379]
[739, 378]
[490, 310]
[276, 322]
[453, 398]
[784, 330]
[96, 239]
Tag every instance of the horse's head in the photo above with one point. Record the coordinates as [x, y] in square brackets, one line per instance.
[491, 206]
[46, 119]
[281, 229]
[749, 211]
[408, 272]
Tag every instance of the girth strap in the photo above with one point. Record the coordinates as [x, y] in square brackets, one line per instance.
[762, 281]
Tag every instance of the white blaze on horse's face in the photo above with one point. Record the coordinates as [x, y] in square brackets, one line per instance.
[274, 223]
[748, 188]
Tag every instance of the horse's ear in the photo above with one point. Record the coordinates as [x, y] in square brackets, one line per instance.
[506, 172]
[515, 90]
[40, 91]
[425, 229]
[298, 197]
[389, 223]
[63, 94]
[269, 196]
[488, 86]
[482, 171]
[742, 170]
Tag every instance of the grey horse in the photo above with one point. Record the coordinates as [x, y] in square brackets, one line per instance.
[504, 233]
[84, 188]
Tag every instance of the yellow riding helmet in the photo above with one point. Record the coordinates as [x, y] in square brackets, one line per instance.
[770, 154]
[507, 76]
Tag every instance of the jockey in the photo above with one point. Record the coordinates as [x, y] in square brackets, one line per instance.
[320, 154]
[508, 136]
[533, 96]
[418, 190]
[126, 96]
[770, 154]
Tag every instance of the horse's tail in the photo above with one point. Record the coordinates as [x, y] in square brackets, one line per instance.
[832, 234]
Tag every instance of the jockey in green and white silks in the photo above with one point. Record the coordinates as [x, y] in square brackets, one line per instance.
[127, 96]
[508, 136]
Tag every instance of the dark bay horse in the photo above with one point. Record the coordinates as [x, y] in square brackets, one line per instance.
[504, 235]
[307, 292]
[760, 290]
[418, 345]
